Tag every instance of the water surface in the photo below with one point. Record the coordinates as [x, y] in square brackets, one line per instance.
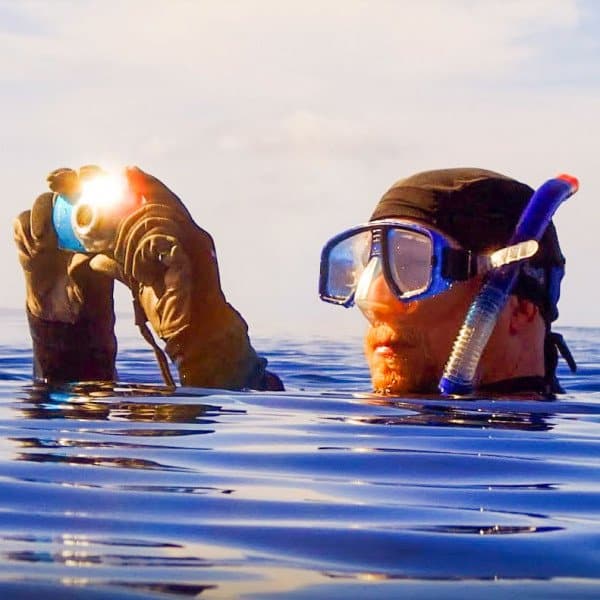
[322, 491]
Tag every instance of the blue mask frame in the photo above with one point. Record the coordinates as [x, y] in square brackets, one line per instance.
[447, 262]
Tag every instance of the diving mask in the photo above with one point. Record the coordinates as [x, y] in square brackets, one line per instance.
[416, 262]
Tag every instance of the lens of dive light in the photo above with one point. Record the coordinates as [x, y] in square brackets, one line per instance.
[94, 226]
[85, 218]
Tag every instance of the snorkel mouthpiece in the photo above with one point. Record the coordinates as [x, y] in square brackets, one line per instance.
[482, 315]
[88, 221]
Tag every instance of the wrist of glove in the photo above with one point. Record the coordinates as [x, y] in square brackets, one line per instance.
[219, 357]
[170, 265]
[80, 351]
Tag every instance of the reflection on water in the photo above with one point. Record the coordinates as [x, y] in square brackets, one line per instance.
[437, 413]
[130, 491]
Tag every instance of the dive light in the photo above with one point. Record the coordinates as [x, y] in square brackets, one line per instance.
[88, 221]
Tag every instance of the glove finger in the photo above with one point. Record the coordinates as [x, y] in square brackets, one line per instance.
[163, 210]
[100, 263]
[147, 264]
[189, 234]
[154, 190]
[174, 303]
[151, 211]
[128, 235]
[178, 267]
[134, 221]
[161, 248]
[58, 172]
[139, 232]
[42, 229]
[133, 230]
[22, 233]
[63, 181]
[190, 237]
[76, 262]
[90, 171]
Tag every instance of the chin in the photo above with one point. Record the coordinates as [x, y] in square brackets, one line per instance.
[401, 362]
[395, 381]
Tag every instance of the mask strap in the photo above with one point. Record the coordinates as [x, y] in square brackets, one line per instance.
[557, 340]
[458, 265]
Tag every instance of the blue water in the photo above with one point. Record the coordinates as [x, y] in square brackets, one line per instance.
[324, 491]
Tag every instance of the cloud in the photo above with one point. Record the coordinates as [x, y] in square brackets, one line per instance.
[230, 43]
[306, 134]
[281, 122]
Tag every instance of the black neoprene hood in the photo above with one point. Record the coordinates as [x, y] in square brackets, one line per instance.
[480, 209]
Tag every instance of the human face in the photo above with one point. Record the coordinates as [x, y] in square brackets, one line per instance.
[408, 343]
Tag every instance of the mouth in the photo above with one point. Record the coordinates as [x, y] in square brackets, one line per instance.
[387, 343]
[392, 348]
[385, 350]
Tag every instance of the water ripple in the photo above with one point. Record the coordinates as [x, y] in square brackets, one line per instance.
[131, 491]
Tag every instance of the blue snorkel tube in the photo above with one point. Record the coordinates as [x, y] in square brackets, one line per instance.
[482, 314]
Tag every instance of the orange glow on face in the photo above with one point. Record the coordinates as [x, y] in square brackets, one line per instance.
[408, 344]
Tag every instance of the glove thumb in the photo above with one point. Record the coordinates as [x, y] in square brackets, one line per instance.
[107, 266]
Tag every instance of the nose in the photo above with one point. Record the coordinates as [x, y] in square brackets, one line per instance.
[375, 299]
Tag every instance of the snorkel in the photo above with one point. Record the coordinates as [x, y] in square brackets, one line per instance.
[483, 313]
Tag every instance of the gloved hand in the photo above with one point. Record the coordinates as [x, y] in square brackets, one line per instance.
[69, 306]
[170, 264]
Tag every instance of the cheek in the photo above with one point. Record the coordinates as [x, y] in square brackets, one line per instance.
[439, 321]
[423, 336]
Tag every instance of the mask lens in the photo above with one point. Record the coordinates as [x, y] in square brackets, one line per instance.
[410, 255]
[346, 263]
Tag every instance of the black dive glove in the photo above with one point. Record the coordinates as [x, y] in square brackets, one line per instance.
[69, 306]
[170, 265]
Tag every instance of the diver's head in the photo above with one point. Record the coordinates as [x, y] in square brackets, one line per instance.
[447, 222]
[480, 210]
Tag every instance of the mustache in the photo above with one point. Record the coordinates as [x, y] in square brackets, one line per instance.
[384, 335]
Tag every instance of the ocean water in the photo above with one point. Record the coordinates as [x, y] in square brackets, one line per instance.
[324, 491]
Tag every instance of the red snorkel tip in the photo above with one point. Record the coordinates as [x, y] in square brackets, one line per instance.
[572, 181]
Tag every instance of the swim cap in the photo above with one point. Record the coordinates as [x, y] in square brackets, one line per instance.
[480, 210]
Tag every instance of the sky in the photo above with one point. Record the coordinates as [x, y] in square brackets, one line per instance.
[280, 124]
